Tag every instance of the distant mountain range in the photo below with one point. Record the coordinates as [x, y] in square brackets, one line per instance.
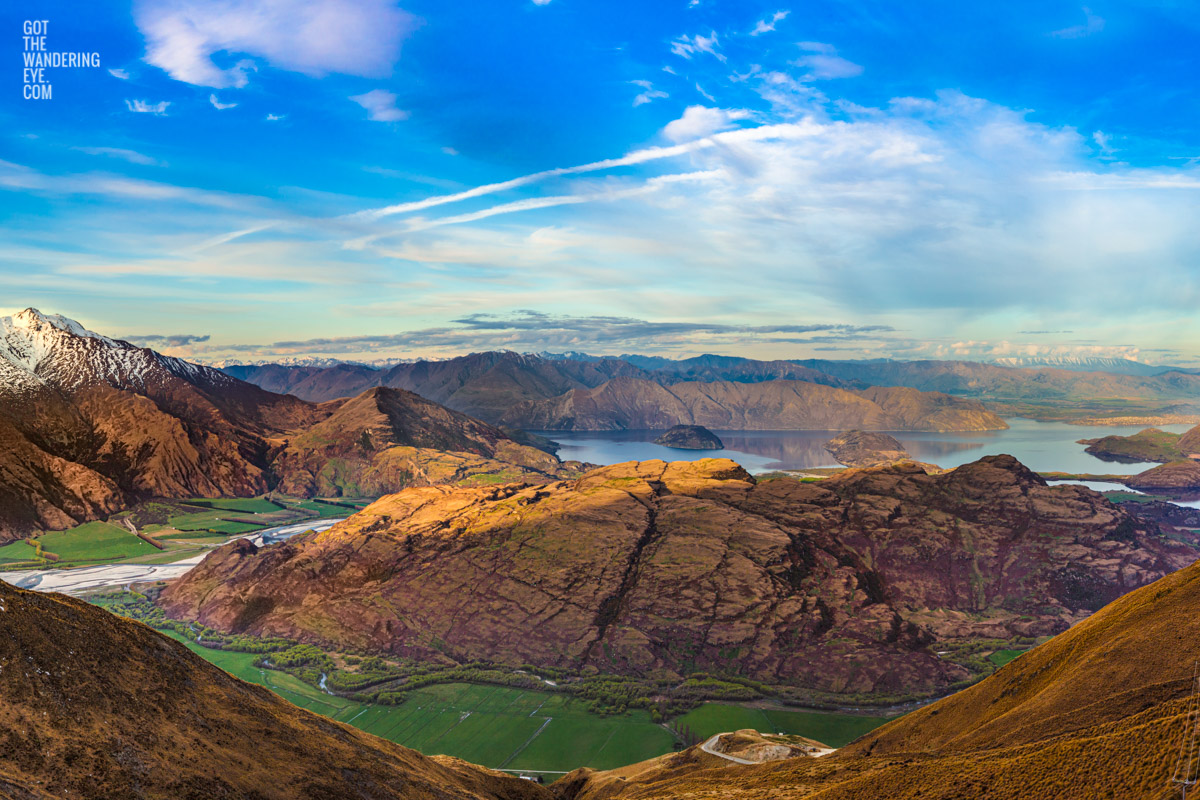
[1116, 366]
[90, 424]
[492, 385]
[534, 392]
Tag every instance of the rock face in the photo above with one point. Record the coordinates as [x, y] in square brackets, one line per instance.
[663, 569]
[1098, 711]
[92, 706]
[690, 437]
[864, 449]
[638, 404]
[1176, 476]
[89, 424]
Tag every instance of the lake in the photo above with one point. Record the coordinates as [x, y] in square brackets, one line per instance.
[1041, 446]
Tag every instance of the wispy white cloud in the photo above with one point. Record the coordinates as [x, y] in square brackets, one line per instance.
[381, 105]
[18, 177]
[768, 25]
[824, 63]
[119, 73]
[648, 94]
[217, 104]
[778, 131]
[146, 107]
[132, 156]
[313, 37]
[275, 117]
[1092, 24]
[687, 46]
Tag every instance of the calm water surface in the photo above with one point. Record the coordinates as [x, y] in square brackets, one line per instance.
[1042, 446]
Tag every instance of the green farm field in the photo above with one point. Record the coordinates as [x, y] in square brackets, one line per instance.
[240, 505]
[496, 726]
[530, 731]
[17, 552]
[95, 542]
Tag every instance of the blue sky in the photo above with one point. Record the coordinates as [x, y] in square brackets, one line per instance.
[364, 179]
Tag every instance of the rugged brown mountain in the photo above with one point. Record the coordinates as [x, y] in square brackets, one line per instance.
[1098, 711]
[96, 706]
[866, 449]
[662, 569]
[640, 404]
[89, 424]
[387, 439]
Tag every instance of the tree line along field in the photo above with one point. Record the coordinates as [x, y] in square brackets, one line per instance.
[184, 527]
[529, 731]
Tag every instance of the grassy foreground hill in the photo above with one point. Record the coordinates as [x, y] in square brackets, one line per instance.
[95, 706]
[1096, 712]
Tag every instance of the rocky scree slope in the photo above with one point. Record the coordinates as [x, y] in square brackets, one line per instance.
[96, 706]
[663, 569]
[89, 424]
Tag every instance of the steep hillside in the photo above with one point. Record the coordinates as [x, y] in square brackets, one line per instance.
[663, 569]
[387, 439]
[1098, 711]
[95, 706]
[639, 404]
[89, 424]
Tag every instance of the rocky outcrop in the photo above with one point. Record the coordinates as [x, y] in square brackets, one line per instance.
[1176, 476]
[690, 437]
[639, 404]
[660, 569]
[866, 449]
[96, 706]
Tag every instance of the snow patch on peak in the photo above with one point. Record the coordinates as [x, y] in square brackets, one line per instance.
[32, 320]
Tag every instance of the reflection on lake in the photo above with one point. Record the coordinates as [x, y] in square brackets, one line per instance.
[1041, 446]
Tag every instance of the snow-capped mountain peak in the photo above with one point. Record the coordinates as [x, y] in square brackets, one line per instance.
[33, 320]
[50, 350]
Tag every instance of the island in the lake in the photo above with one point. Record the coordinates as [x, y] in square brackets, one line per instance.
[690, 437]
